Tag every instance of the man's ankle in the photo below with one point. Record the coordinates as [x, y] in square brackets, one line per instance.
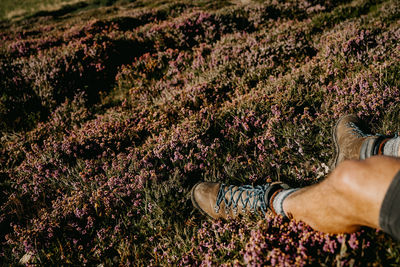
[380, 145]
[276, 201]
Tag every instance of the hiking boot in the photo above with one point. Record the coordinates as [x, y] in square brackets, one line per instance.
[223, 201]
[350, 140]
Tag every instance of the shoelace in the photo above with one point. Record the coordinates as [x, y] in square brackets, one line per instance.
[357, 131]
[360, 133]
[245, 195]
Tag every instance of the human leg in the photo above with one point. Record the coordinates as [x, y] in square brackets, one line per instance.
[350, 197]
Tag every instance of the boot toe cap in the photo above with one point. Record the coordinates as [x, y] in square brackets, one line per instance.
[203, 196]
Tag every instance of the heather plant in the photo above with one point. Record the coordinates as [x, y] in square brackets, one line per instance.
[109, 116]
[20, 107]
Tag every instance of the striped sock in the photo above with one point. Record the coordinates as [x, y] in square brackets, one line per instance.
[368, 148]
[380, 145]
[391, 147]
[277, 200]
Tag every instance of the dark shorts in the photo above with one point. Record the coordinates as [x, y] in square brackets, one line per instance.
[389, 218]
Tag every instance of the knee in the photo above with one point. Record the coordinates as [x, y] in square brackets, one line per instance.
[356, 176]
[347, 178]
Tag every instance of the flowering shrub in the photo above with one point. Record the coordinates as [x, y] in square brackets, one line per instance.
[109, 117]
[271, 241]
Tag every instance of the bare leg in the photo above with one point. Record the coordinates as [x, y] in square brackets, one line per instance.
[350, 197]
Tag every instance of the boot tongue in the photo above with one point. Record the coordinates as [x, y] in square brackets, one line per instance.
[242, 197]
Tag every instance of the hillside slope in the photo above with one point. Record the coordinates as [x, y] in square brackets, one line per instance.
[111, 111]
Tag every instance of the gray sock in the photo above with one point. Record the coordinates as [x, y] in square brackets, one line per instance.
[391, 148]
[367, 148]
[277, 203]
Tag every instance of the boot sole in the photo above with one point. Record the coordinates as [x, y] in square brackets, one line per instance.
[336, 155]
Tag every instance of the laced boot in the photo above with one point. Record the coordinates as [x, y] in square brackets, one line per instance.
[352, 141]
[218, 200]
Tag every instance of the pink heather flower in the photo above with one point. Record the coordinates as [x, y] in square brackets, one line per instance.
[353, 241]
